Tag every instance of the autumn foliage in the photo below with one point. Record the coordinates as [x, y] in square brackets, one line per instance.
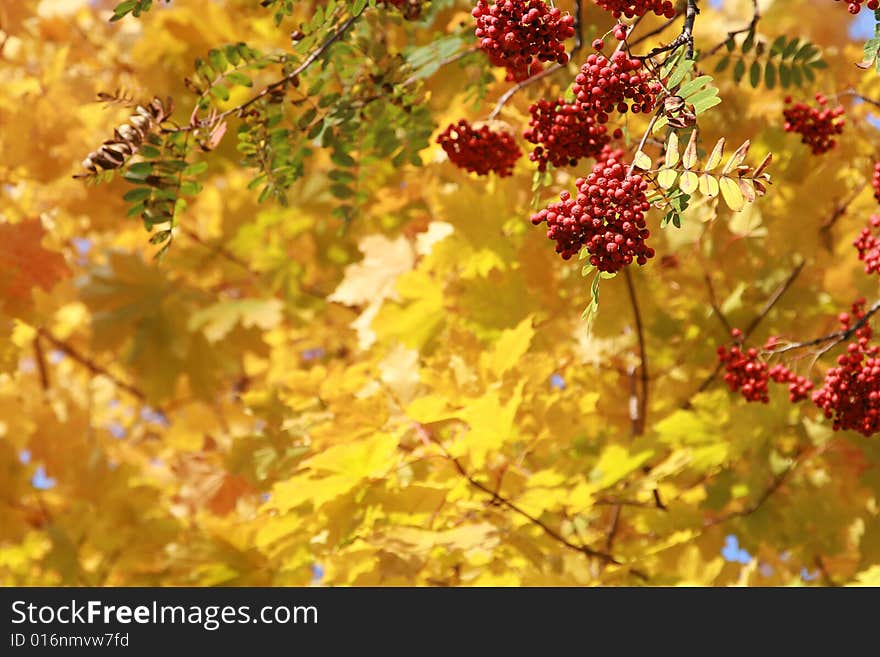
[439, 293]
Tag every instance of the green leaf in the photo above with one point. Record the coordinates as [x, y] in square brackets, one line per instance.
[722, 64]
[784, 75]
[791, 48]
[220, 91]
[755, 74]
[690, 87]
[137, 194]
[218, 60]
[138, 172]
[196, 169]
[705, 99]
[777, 45]
[239, 78]
[123, 8]
[770, 75]
[739, 70]
[749, 42]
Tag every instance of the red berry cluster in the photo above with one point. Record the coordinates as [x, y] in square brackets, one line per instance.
[479, 150]
[799, 387]
[875, 181]
[564, 132]
[850, 395]
[747, 373]
[519, 34]
[816, 125]
[631, 8]
[604, 86]
[868, 246]
[607, 216]
[854, 6]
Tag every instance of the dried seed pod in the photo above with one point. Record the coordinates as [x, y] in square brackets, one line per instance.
[127, 138]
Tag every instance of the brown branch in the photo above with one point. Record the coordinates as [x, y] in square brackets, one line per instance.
[639, 426]
[713, 301]
[834, 338]
[657, 30]
[773, 300]
[40, 357]
[686, 38]
[756, 16]
[503, 501]
[774, 486]
[578, 36]
[507, 95]
[753, 325]
[839, 211]
[91, 365]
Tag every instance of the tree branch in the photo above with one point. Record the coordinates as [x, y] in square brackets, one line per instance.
[756, 16]
[834, 338]
[40, 357]
[657, 30]
[287, 79]
[639, 424]
[91, 365]
[503, 501]
[753, 325]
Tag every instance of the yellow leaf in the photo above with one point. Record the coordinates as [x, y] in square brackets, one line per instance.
[732, 194]
[736, 159]
[642, 161]
[688, 182]
[709, 185]
[510, 348]
[615, 463]
[666, 178]
[716, 155]
[216, 321]
[491, 425]
[672, 150]
[689, 158]
[365, 458]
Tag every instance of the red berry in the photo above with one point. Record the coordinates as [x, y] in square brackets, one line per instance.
[607, 216]
[604, 86]
[598, 44]
[817, 126]
[850, 394]
[564, 133]
[479, 150]
[632, 8]
[520, 34]
[868, 246]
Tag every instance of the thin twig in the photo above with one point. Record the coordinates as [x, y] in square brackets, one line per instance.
[507, 95]
[756, 16]
[645, 136]
[834, 338]
[503, 501]
[287, 79]
[773, 300]
[657, 30]
[753, 325]
[91, 365]
[643, 353]
[40, 357]
[713, 301]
